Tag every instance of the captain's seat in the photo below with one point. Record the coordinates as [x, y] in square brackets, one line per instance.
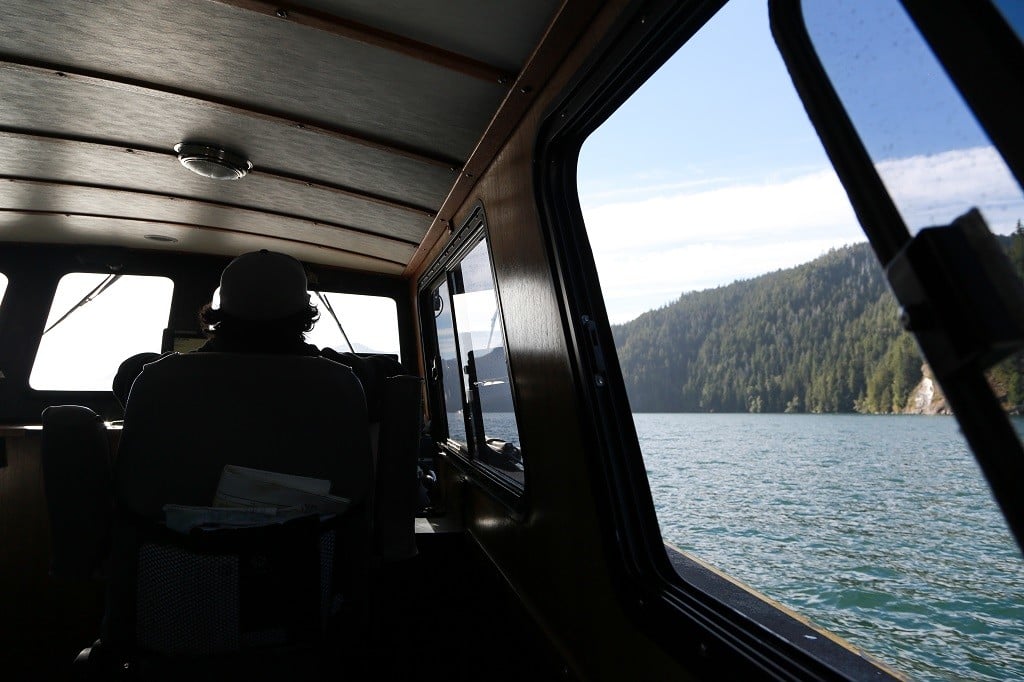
[188, 416]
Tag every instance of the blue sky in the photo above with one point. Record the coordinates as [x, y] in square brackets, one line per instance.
[712, 172]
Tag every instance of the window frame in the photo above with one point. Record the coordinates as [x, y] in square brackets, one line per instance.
[507, 490]
[711, 624]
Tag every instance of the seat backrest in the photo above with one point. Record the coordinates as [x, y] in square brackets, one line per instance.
[79, 494]
[126, 373]
[189, 415]
[371, 370]
[396, 488]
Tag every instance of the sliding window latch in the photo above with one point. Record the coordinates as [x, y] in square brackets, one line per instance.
[596, 354]
[960, 295]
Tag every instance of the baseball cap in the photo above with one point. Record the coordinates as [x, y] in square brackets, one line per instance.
[263, 285]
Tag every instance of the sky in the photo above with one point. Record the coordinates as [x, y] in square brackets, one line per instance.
[712, 171]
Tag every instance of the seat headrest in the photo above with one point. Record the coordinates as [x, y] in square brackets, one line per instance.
[189, 415]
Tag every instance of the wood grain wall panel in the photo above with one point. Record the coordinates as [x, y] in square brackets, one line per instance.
[576, 605]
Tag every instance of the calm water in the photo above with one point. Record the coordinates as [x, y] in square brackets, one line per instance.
[879, 529]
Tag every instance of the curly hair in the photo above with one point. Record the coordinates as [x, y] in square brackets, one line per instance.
[257, 335]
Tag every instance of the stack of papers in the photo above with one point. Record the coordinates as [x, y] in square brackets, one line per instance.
[254, 497]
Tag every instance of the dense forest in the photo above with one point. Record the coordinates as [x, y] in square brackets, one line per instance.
[820, 337]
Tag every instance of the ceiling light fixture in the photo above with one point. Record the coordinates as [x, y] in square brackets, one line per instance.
[212, 162]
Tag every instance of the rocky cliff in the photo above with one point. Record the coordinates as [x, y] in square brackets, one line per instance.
[926, 397]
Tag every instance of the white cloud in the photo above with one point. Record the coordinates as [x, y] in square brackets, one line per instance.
[932, 190]
[639, 189]
[650, 251]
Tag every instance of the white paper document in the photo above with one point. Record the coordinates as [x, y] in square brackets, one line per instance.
[253, 497]
[243, 487]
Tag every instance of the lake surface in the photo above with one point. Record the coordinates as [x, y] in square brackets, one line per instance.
[879, 529]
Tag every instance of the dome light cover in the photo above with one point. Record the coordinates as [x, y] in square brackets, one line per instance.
[212, 162]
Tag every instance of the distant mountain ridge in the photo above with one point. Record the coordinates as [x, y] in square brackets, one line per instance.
[820, 337]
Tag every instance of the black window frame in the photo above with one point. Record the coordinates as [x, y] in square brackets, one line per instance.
[507, 490]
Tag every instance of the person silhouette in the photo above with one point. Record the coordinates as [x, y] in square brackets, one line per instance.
[264, 307]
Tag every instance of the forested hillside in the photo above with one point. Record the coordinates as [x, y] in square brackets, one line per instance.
[820, 337]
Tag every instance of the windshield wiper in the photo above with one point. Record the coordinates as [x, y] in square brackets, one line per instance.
[330, 309]
[494, 318]
[91, 296]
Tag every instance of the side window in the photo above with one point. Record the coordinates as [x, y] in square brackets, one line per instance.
[95, 322]
[931, 153]
[355, 322]
[470, 367]
[933, 156]
[791, 432]
[449, 365]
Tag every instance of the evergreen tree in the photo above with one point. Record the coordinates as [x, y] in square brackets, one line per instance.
[820, 337]
[807, 339]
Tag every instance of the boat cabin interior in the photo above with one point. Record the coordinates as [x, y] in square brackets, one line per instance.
[420, 160]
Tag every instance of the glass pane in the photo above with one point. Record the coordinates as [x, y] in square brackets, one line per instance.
[369, 322]
[96, 322]
[451, 369]
[937, 163]
[791, 433]
[1013, 13]
[482, 353]
[1007, 377]
[3, 287]
[930, 152]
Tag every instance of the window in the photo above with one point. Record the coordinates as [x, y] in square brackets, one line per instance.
[1013, 13]
[96, 321]
[449, 362]
[3, 286]
[470, 368]
[357, 323]
[931, 153]
[780, 408]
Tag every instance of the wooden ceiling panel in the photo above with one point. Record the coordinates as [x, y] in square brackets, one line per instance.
[498, 33]
[362, 119]
[37, 158]
[251, 58]
[18, 227]
[40, 101]
[75, 200]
